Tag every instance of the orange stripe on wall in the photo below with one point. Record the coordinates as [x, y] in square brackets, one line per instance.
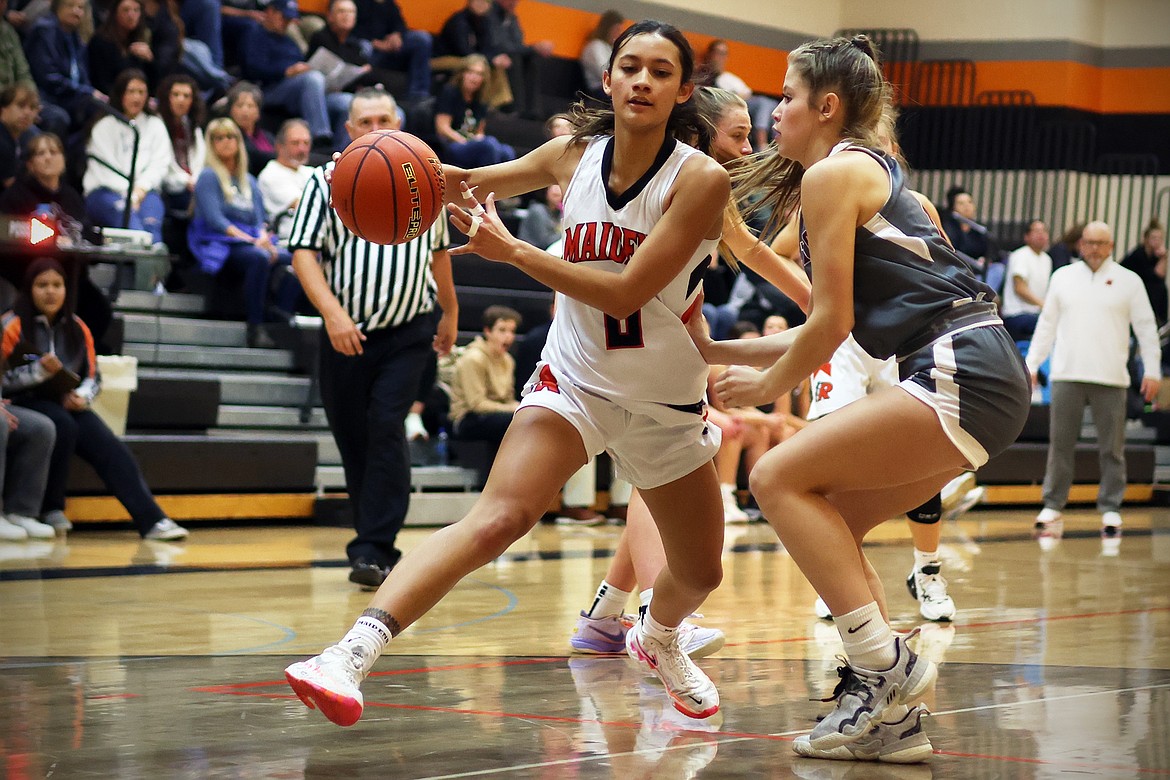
[1080, 86]
[1055, 83]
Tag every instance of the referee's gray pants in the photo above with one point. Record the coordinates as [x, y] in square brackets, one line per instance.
[1066, 415]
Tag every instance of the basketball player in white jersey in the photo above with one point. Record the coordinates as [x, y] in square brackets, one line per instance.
[600, 629]
[883, 272]
[642, 213]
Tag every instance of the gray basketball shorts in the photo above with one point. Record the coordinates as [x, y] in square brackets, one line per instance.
[975, 380]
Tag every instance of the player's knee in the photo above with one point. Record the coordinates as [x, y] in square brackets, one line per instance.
[705, 578]
[501, 526]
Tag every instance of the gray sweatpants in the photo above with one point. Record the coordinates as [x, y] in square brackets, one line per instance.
[1066, 415]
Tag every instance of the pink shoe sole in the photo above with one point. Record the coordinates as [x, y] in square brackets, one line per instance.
[342, 710]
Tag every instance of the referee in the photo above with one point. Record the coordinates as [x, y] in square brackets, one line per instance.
[377, 302]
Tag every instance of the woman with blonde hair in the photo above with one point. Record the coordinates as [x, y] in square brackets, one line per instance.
[461, 118]
[228, 230]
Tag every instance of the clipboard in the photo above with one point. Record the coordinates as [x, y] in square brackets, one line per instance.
[55, 387]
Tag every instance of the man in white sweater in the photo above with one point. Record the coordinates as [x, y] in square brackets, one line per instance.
[1088, 311]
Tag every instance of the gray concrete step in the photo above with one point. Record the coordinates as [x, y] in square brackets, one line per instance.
[171, 303]
[253, 389]
[327, 452]
[235, 416]
[422, 479]
[202, 356]
[165, 329]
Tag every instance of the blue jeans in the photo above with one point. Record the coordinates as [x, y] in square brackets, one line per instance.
[202, 20]
[85, 433]
[415, 58]
[106, 207]
[304, 95]
[199, 61]
[477, 152]
[252, 263]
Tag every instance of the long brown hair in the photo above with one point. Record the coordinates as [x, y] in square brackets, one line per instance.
[598, 119]
[847, 66]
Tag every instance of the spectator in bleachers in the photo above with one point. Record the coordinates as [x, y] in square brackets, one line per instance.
[121, 42]
[482, 397]
[181, 108]
[1148, 261]
[58, 59]
[338, 37]
[13, 63]
[283, 180]
[1066, 249]
[26, 448]
[461, 119]
[244, 103]
[273, 60]
[594, 57]
[229, 231]
[395, 47]
[965, 234]
[238, 19]
[525, 61]
[1085, 326]
[42, 181]
[541, 225]
[203, 21]
[61, 384]
[470, 31]
[18, 110]
[110, 154]
[713, 72]
[1026, 284]
[175, 52]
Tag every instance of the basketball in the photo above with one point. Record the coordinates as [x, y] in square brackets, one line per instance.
[388, 187]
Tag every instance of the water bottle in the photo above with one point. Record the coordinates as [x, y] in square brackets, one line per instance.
[442, 454]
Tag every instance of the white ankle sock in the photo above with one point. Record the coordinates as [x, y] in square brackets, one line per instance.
[925, 559]
[366, 640]
[655, 630]
[644, 600]
[609, 601]
[869, 643]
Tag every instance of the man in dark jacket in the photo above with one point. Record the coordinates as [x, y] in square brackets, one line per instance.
[394, 47]
[527, 62]
[273, 60]
[57, 58]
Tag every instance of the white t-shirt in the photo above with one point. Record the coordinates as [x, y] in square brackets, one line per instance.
[1034, 268]
[280, 186]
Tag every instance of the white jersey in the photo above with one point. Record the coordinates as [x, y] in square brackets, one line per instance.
[648, 356]
[851, 373]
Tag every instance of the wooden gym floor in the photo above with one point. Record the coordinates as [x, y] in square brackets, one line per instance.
[121, 658]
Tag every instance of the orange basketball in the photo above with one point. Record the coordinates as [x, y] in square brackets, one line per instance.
[388, 187]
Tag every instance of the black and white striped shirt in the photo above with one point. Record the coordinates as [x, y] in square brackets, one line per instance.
[379, 286]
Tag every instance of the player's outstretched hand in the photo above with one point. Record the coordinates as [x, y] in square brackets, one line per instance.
[743, 386]
[487, 236]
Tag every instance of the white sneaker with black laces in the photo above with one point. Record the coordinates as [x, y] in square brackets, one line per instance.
[330, 682]
[903, 742]
[927, 585]
[166, 530]
[863, 695]
[692, 692]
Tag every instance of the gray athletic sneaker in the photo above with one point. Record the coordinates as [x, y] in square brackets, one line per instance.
[903, 742]
[863, 695]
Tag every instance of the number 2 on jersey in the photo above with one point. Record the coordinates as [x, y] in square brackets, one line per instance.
[624, 334]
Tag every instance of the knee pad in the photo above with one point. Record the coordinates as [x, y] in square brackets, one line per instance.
[929, 513]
